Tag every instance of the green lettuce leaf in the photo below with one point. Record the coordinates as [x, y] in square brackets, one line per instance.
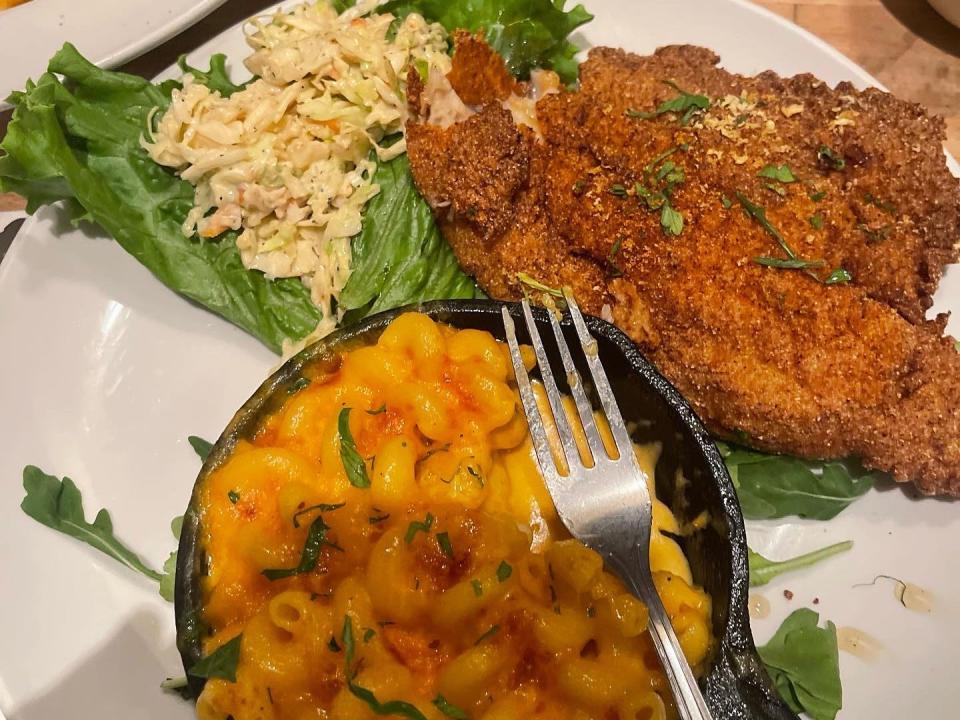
[78, 140]
[527, 33]
[399, 257]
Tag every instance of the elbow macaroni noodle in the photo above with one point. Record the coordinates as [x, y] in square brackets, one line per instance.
[485, 601]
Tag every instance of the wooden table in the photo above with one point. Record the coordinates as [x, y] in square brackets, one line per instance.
[905, 44]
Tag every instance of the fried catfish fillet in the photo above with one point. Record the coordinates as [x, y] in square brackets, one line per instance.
[771, 244]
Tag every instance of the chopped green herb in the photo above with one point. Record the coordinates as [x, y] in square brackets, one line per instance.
[780, 173]
[830, 159]
[649, 167]
[378, 411]
[316, 539]
[616, 271]
[446, 547]
[233, 496]
[763, 570]
[200, 446]
[787, 263]
[760, 215]
[448, 708]
[393, 707]
[838, 277]
[475, 474]
[537, 285]
[686, 103]
[376, 519]
[298, 385]
[494, 629]
[58, 504]
[418, 526]
[504, 571]
[320, 507]
[352, 462]
[777, 189]
[886, 206]
[875, 235]
[816, 221]
[818, 195]
[726, 202]
[618, 190]
[477, 587]
[221, 663]
[578, 187]
[368, 634]
[670, 220]
[803, 663]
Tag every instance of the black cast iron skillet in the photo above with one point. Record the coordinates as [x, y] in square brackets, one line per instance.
[736, 684]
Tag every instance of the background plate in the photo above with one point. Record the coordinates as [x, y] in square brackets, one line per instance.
[107, 32]
[105, 372]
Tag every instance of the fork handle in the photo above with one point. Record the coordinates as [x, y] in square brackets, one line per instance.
[690, 702]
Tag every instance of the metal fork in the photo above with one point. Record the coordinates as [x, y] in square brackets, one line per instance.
[606, 506]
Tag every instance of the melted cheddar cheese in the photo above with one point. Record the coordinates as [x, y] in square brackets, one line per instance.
[446, 586]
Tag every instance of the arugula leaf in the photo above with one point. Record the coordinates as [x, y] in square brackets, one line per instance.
[200, 446]
[775, 486]
[58, 504]
[316, 539]
[763, 570]
[169, 577]
[527, 33]
[803, 663]
[221, 663]
[353, 464]
[78, 140]
[399, 257]
[449, 709]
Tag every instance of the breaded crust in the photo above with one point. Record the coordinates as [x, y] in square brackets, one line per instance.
[800, 366]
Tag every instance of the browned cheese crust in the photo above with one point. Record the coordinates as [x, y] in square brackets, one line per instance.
[801, 367]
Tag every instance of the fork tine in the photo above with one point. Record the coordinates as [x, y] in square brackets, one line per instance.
[538, 434]
[584, 408]
[607, 400]
[569, 445]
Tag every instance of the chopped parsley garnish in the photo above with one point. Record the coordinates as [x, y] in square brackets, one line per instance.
[579, 187]
[876, 235]
[760, 215]
[494, 629]
[649, 167]
[378, 411]
[618, 190]
[448, 708]
[685, 102]
[726, 202]
[319, 507]
[352, 462]
[233, 496]
[399, 708]
[504, 571]
[418, 526]
[298, 385]
[670, 220]
[316, 539]
[477, 587]
[818, 195]
[368, 634]
[838, 277]
[780, 173]
[816, 221]
[616, 270]
[776, 189]
[787, 263]
[446, 547]
[830, 159]
[886, 206]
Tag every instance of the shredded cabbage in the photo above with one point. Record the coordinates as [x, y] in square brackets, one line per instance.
[287, 160]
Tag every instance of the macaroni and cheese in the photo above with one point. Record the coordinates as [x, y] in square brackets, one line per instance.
[385, 545]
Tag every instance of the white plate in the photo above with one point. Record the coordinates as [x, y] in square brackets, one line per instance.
[104, 373]
[107, 32]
